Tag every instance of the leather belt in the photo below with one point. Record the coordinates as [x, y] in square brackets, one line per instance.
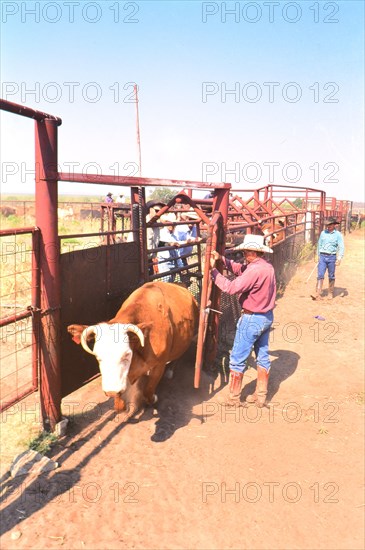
[327, 254]
[247, 312]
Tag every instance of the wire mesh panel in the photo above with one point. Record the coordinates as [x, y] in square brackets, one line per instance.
[19, 287]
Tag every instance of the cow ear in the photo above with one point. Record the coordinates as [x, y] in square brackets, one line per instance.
[76, 331]
[145, 328]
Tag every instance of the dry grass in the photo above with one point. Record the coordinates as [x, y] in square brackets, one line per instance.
[16, 255]
[19, 425]
[16, 272]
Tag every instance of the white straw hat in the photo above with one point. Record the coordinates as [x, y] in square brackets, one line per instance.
[254, 242]
[168, 217]
[191, 215]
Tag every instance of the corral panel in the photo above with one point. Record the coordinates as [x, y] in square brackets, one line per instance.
[19, 314]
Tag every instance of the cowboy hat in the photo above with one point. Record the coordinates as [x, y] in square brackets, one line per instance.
[154, 204]
[331, 221]
[253, 242]
[168, 217]
[190, 215]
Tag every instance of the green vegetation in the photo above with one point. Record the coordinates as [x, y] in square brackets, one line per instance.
[298, 203]
[43, 442]
[13, 221]
[70, 227]
[162, 194]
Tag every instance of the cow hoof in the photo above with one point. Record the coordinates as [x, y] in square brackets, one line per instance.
[151, 400]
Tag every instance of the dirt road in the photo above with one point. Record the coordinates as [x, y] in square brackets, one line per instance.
[194, 475]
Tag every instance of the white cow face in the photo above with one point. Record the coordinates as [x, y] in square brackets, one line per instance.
[267, 239]
[113, 352]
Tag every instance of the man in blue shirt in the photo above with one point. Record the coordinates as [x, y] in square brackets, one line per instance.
[187, 233]
[330, 251]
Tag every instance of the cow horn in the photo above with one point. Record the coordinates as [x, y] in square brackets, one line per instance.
[137, 331]
[86, 333]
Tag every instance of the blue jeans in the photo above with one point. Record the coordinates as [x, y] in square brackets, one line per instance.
[327, 261]
[252, 331]
[168, 260]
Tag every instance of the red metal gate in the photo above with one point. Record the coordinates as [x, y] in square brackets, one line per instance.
[209, 303]
[20, 314]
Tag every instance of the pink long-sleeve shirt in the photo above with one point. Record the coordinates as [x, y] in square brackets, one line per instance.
[255, 282]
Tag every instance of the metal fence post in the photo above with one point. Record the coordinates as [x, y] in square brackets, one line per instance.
[46, 220]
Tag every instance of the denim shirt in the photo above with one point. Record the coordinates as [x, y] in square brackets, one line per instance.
[331, 243]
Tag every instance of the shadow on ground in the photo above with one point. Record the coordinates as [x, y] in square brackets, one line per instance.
[282, 367]
[26, 494]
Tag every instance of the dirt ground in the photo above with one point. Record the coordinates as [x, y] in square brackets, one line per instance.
[195, 475]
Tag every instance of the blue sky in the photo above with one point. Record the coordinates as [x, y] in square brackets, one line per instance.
[296, 69]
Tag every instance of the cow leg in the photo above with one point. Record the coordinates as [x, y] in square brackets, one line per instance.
[153, 379]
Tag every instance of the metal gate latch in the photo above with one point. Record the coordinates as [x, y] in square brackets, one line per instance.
[208, 309]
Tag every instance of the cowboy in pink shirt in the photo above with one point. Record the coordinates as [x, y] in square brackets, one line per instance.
[255, 282]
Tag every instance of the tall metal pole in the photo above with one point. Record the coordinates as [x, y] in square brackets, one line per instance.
[50, 285]
[138, 134]
[138, 200]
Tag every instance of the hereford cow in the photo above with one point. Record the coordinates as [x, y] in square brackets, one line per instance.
[274, 231]
[154, 326]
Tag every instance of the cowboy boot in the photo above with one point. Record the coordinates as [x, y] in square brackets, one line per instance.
[235, 383]
[259, 397]
[331, 288]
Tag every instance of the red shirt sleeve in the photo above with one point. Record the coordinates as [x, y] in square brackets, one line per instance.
[255, 285]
